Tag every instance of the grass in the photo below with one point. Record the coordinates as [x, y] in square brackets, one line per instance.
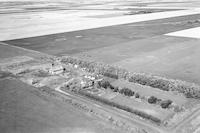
[122, 107]
[148, 91]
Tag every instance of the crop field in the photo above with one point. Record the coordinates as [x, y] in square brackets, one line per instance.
[71, 43]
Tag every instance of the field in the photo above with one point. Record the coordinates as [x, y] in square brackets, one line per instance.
[71, 43]
[154, 111]
[25, 109]
[77, 80]
[147, 91]
[138, 104]
[91, 66]
[136, 47]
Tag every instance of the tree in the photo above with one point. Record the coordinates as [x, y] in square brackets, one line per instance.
[165, 104]
[137, 95]
[112, 87]
[105, 84]
[152, 100]
[116, 89]
[127, 92]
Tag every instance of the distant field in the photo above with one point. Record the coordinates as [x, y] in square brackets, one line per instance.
[82, 41]
[193, 32]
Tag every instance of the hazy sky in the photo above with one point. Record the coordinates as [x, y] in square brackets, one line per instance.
[76, 1]
[101, 0]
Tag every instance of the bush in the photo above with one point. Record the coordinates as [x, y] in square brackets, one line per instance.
[112, 87]
[165, 104]
[152, 100]
[105, 84]
[110, 75]
[127, 92]
[150, 81]
[116, 89]
[137, 95]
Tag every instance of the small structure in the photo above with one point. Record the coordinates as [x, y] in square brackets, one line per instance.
[56, 69]
[76, 66]
[89, 77]
[87, 81]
